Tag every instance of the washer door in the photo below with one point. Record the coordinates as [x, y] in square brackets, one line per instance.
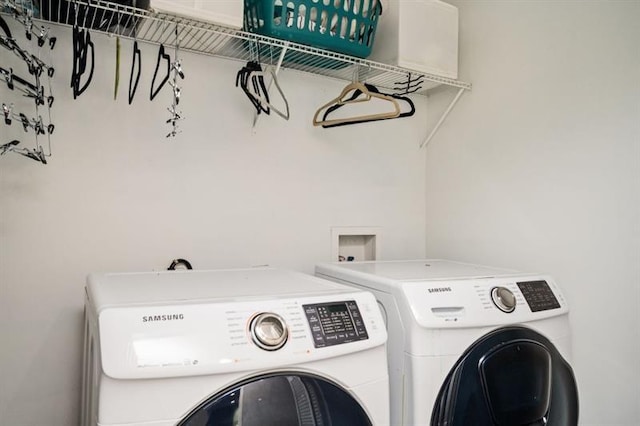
[280, 400]
[513, 376]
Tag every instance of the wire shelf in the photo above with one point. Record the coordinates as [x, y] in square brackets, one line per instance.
[215, 40]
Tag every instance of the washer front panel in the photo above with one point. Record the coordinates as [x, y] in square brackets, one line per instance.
[473, 302]
[207, 338]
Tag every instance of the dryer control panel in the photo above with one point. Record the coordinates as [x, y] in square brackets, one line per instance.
[483, 301]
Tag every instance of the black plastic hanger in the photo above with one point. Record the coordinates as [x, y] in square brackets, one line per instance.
[5, 27]
[161, 55]
[133, 86]
[411, 85]
[244, 78]
[81, 42]
[264, 101]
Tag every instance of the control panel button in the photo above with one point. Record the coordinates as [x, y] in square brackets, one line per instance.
[504, 299]
[269, 331]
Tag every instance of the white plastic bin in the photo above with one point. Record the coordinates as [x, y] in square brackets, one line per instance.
[228, 13]
[418, 34]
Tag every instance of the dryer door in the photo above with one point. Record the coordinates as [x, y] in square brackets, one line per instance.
[512, 376]
[280, 400]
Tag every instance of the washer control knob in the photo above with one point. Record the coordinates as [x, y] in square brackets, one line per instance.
[504, 299]
[269, 331]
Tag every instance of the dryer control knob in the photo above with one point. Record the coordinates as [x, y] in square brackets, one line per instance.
[504, 299]
[269, 331]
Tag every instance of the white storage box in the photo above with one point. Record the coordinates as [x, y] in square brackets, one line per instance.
[228, 13]
[418, 34]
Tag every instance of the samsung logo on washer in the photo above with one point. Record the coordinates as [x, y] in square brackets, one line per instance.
[439, 289]
[156, 318]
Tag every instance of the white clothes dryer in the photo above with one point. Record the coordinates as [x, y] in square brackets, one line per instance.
[251, 347]
[470, 345]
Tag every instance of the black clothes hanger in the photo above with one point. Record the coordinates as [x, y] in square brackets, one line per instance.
[411, 85]
[81, 42]
[133, 86]
[244, 78]
[161, 55]
[265, 103]
[5, 27]
[353, 98]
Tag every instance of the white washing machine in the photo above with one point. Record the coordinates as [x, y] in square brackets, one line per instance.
[470, 345]
[253, 347]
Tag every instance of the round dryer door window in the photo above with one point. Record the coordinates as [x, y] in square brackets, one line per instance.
[280, 400]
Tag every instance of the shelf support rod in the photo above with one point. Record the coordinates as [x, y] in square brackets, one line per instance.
[444, 116]
[285, 47]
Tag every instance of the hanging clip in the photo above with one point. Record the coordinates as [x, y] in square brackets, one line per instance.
[8, 77]
[173, 120]
[43, 36]
[7, 112]
[9, 146]
[34, 154]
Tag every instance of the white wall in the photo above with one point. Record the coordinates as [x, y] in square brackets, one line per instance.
[117, 196]
[538, 168]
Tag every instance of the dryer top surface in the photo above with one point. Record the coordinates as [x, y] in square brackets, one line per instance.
[409, 270]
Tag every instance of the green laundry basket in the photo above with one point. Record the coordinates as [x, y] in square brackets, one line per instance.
[343, 26]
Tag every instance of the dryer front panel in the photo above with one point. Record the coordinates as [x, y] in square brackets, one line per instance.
[208, 338]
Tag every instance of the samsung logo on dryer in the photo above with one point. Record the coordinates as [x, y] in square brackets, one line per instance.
[158, 318]
[439, 289]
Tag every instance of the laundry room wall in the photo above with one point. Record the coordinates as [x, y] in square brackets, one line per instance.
[538, 169]
[117, 195]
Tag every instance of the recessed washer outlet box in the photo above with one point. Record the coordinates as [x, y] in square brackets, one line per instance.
[352, 243]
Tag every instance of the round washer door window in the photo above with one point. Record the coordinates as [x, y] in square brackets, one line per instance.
[280, 400]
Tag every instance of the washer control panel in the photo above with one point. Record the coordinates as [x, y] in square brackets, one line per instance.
[335, 323]
[538, 295]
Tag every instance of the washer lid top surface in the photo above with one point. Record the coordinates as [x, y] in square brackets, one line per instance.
[162, 287]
